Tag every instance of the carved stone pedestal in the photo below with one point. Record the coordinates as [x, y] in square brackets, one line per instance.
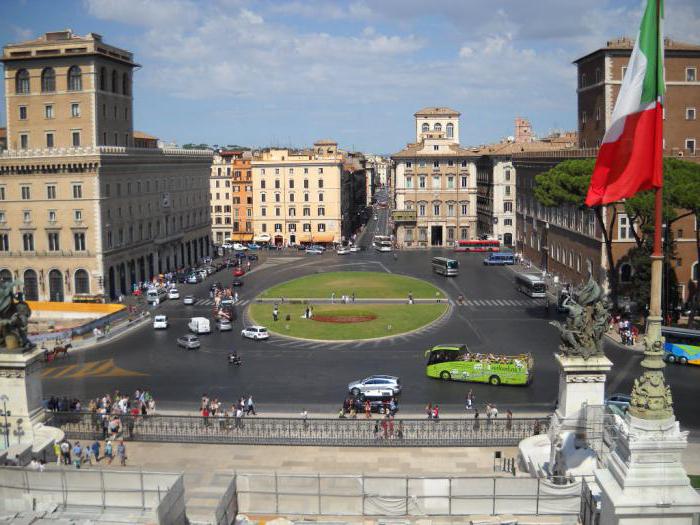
[581, 384]
[644, 480]
[20, 382]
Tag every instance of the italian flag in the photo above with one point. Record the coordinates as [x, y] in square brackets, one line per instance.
[631, 154]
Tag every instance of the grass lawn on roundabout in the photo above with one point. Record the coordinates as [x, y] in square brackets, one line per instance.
[346, 321]
[365, 285]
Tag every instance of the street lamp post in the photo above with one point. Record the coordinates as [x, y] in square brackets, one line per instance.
[5, 414]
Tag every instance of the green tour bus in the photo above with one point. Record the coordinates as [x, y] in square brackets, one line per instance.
[456, 362]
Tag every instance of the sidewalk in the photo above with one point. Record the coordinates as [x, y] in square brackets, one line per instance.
[613, 336]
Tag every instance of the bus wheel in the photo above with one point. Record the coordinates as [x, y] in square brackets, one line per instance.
[445, 375]
[670, 358]
[495, 380]
[683, 360]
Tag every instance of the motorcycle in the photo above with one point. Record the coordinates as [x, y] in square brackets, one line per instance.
[234, 359]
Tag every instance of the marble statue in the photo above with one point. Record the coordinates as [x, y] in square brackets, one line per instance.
[586, 322]
[14, 318]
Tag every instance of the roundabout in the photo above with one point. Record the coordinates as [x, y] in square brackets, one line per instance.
[349, 306]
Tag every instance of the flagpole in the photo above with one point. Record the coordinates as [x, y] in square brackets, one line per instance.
[651, 398]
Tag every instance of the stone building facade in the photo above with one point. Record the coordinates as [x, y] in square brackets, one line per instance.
[600, 78]
[80, 220]
[434, 184]
[297, 195]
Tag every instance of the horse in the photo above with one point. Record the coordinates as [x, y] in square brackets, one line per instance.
[57, 350]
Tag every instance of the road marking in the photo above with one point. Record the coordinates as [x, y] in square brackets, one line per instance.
[102, 368]
[65, 370]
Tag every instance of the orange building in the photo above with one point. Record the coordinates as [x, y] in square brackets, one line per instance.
[242, 197]
[231, 197]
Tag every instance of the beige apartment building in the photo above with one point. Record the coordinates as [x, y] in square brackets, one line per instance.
[231, 197]
[80, 219]
[297, 195]
[434, 184]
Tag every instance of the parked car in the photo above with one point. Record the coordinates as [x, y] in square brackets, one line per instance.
[236, 283]
[238, 272]
[239, 247]
[255, 332]
[252, 257]
[227, 246]
[173, 293]
[199, 325]
[375, 382]
[253, 246]
[301, 247]
[224, 325]
[313, 250]
[621, 401]
[188, 300]
[342, 250]
[189, 341]
[160, 322]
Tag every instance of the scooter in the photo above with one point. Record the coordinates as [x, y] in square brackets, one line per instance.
[234, 359]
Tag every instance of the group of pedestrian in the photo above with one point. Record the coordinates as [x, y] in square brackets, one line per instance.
[77, 455]
[344, 299]
[386, 429]
[432, 411]
[214, 410]
[627, 331]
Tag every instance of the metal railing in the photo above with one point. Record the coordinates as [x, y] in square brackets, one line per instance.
[297, 431]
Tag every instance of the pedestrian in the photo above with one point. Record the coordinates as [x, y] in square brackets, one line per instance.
[509, 419]
[121, 452]
[476, 418]
[250, 406]
[275, 313]
[65, 452]
[57, 452]
[353, 296]
[410, 297]
[77, 454]
[96, 451]
[368, 409]
[376, 429]
[399, 432]
[429, 410]
[332, 297]
[494, 412]
[304, 418]
[469, 401]
[385, 426]
[436, 413]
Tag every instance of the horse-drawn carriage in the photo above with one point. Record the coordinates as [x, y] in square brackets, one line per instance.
[60, 348]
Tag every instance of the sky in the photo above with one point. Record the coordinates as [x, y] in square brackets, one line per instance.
[288, 72]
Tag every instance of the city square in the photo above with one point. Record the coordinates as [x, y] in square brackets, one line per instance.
[349, 262]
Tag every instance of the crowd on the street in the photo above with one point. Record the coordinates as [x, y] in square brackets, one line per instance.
[627, 331]
[213, 410]
[78, 454]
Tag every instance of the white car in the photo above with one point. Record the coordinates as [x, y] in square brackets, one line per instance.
[227, 246]
[342, 250]
[189, 300]
[376, 382]
[160, 322]
[240, 247]
[313, 250]
[354, 248]
[173, 293]
[255, 332]
[199, 325]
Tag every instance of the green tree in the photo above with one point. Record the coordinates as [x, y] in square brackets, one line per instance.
[567, 184]
[685, 194]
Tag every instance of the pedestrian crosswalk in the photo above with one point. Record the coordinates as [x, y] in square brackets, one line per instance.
[101, 368]
[503, 303]
[210, 302]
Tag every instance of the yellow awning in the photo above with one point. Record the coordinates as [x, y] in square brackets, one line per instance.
[304, 237]
[238, 236]
[323, 237]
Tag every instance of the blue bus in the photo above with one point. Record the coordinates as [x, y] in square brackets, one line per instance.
[682, 345]
[499, 259]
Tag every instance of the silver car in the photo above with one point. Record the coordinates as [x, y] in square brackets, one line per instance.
[224, 325]
[189, 342]
[376, 382]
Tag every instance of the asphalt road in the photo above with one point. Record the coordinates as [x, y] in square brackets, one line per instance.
[287, 375]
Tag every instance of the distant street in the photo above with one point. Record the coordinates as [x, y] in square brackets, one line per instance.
[288, 375]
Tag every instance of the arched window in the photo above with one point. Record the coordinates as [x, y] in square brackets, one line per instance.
[437, 126]
[125, 83]
[5, 276]
[425, 127]
[48, 80]
[694, 272]
[82, 282]
[22, 82]
[55, 286]
[115, 81]
[75, 79]
[31, 288]
[625, 273]
[450, 129]
[103, 79]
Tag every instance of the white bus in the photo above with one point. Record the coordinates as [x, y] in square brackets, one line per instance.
[531, 284]
[382, 243]
[445, 266]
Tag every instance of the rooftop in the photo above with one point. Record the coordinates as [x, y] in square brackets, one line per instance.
[325, 142]
[62, 43]
[437, 111]
[419, 149]
[626, 44]
[142, 135]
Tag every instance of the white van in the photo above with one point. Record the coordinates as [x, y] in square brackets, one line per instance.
[199, 325]
[156, 293]
[160, 322]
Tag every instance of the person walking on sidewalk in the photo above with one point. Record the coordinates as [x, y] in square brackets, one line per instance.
[250, 406]
[121, 453]
[57, 452]
[469, 401]
[77, 454]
